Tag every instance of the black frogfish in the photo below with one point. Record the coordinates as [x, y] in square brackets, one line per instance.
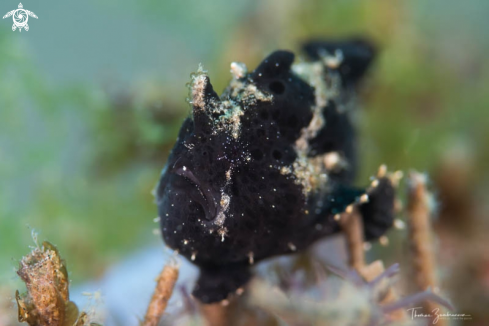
[263, 169]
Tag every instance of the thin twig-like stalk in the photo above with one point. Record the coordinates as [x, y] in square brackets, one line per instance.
[420, 236]
[220, 313]
[163, 291]
[352, 225]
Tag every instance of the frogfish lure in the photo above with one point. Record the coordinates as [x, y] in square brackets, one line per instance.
[263, 169]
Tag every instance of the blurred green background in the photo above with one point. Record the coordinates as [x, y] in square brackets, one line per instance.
[92, 96]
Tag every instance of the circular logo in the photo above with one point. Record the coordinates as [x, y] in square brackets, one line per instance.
[20, 17]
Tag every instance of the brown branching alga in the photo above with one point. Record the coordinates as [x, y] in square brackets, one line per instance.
[47, 301]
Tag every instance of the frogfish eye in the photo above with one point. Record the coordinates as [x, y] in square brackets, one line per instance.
[187, 182]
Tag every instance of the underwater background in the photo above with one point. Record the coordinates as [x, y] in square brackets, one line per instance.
[93, 95]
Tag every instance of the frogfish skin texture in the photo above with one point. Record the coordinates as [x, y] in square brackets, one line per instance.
[262, 169]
